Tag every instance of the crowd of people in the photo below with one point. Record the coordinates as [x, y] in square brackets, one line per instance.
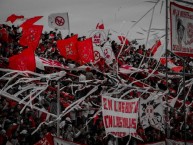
[80, 125]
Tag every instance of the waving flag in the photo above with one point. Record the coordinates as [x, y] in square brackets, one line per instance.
[100, 26]
[157, 50]
[68, 48]
[23, 61]
[30, 22]
[98, 53]
[123, 40]
[12, 18]
[155, 47]
[31, 36]
[85, 51]
[171, 65]
[43, 62]
[59, 21]
[109, 54]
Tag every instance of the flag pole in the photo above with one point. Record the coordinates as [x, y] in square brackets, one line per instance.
[166, 55]
[68, 25]
[58, 107]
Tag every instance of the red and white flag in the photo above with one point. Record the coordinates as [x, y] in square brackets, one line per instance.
[151, 112]
[59, 21]
[47, 140]
[85, 51]
[12, 18]
[29, 22]
[68, 48]
[100, 26]
[43, 62]
[108, 53]
[171, 65]
[123, 40]
[99, 36]
[31, 36]
[157, 50]
[23, 61]
[98, 53]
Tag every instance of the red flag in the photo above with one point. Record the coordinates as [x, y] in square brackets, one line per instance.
[23, 61]
[100, 26]
[14, 17]
[47, 140]
[85, 51]
[30, 21]
[68, 48]
[171, 65]
[123, 40]
[31, 36]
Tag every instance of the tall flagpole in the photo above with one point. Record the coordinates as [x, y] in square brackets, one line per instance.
[166, 54]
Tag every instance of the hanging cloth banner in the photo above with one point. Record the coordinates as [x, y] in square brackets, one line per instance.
[120, 116]
[181, 29]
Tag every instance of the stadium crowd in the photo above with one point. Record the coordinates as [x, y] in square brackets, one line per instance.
[16, 127]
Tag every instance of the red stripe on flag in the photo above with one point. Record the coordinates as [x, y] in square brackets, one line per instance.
[155, 47]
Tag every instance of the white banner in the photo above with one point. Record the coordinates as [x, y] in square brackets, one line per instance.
[58, 141]
[120, 116]
[175, 142]
[181, 29]
[59, 21]
[151, 112]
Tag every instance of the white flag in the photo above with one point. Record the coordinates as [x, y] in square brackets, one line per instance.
[108, 53]
[98, 53]
[151, 112]
[59, 21]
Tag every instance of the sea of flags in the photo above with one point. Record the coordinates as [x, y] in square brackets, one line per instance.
[82, 52]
